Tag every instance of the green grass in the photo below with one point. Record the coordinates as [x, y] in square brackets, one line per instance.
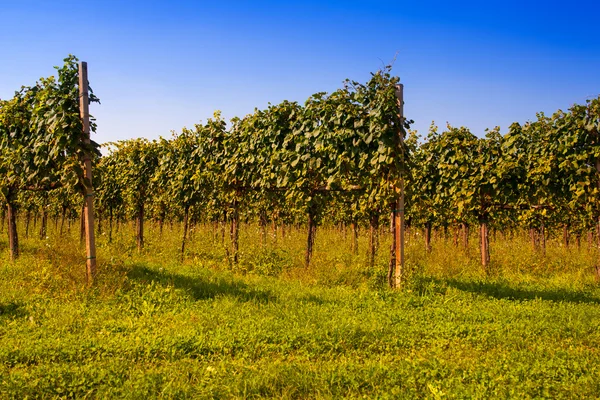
[154, 328]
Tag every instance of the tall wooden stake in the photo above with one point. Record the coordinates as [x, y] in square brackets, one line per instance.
[399, 212]
[485, 246]
[598, 225]
[90, 242]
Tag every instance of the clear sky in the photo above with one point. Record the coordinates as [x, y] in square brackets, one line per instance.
[158, 66]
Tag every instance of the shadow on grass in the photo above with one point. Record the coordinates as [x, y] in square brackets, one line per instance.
[200, 288]
[507, 291]
[9, 310]
[207, 256]
[313, 299]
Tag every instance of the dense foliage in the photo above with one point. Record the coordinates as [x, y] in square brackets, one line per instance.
[41, 145]
[337, 159]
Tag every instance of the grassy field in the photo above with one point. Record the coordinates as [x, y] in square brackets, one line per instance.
[155, 328]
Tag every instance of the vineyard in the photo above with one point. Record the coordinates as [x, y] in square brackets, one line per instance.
[324, 197]
[340, 159]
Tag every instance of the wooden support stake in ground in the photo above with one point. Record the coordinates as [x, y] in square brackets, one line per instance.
[598, 224]
[485, 246]
[90, 242]
[399, 212]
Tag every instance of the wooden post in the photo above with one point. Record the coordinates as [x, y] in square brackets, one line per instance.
[373, 228]
[399, 212]
[598, 249]
[392, 264]
[597, 263]
[428, 237]
[90, 242]
[485, 245]
[186, 218]
[44, 223]
[139, 227]
[27, 222]
[62, 219]
[234, 233]
[310, 240]
[13, 237]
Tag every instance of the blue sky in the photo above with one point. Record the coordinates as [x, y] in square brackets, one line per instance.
[158, 66]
